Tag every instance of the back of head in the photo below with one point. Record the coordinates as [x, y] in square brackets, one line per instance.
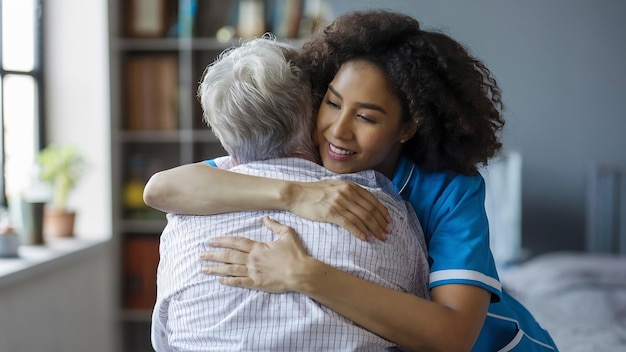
[449, 94]
[258, 102]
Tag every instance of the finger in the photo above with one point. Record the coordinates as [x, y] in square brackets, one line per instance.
[226, 270]
[237, 281]
[362, 210]
[355, 226]
[366, 223]
[233, 242]
[374, 210]
[226, 257]
[272, 224]
[276, 227]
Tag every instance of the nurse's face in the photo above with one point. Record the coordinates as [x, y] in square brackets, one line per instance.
[359, 123]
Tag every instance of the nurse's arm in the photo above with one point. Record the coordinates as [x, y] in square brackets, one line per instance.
[201, 189]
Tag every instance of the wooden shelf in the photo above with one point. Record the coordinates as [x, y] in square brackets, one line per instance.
[171, 44]
[144, 226]
[135, 315]
[167, 136]
[156, 123]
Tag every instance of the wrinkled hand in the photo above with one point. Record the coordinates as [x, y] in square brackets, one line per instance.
[265, 266]
[343, 203]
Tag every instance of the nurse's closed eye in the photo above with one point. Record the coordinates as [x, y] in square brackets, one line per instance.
[332, 104]
[366, 119]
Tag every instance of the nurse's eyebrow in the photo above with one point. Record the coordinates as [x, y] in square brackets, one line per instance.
[360, 104]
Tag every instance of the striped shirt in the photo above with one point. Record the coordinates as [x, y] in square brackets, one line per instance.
[194, 312]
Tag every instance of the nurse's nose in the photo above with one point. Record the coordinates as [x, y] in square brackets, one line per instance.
[342, 127]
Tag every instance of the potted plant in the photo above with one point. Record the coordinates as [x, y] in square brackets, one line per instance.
[61, 166]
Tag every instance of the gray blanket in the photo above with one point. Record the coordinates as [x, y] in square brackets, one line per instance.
[580, 298]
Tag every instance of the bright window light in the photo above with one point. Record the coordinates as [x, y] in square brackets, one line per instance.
[20, 123]
[18, 35]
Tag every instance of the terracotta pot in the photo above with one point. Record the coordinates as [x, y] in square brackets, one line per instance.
[58, 223]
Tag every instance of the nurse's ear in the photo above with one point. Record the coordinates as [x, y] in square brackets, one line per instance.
[409, 130]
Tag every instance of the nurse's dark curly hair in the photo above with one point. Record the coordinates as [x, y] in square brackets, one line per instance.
[452, 95]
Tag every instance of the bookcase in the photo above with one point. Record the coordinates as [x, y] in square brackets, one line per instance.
[158, 52]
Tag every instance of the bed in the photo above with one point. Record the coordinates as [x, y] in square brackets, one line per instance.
[580, 298]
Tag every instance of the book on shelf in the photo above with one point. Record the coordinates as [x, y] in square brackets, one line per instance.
[149, 18]
[186, 15]
[141, 259]
[285, 17]
[151, 93]
[251, 18]
[210, 16]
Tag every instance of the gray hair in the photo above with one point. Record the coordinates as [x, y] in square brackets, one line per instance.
[258, 102]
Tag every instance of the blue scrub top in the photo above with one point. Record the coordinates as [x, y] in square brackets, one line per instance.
[451, 209]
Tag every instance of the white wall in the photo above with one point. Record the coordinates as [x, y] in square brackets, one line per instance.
[77, 102]
[64, 309]
[562, 67]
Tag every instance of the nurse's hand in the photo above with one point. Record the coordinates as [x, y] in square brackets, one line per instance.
[267, 266]
[343, 203]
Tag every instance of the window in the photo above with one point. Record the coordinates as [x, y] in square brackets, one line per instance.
[21, 92]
